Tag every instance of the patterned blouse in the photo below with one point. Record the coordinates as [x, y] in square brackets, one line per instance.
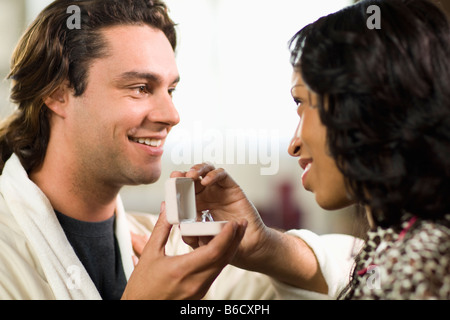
[412, 262]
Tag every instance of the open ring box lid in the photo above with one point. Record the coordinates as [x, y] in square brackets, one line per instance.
[181, 209]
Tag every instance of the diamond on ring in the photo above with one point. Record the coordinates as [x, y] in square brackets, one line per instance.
[206, 216]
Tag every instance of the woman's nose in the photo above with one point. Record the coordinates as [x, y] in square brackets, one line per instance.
[296, 143]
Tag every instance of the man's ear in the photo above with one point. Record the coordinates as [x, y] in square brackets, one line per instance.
[58, 100]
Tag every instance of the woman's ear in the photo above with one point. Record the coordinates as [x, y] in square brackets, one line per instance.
[58, 100]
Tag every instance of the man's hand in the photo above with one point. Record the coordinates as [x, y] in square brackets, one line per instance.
[188, 276]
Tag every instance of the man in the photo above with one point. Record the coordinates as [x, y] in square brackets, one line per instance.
[94, 110]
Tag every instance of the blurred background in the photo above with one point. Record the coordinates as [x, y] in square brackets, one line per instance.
[234, 101]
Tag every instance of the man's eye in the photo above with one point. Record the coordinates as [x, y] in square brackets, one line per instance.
[171, 91]
[139, 90]
[142, 90]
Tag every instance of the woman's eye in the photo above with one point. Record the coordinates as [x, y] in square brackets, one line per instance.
[298, 102]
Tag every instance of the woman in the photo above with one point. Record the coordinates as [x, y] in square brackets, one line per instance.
[374, 130]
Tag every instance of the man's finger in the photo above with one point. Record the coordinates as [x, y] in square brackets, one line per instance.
[216, 254]
[138, 242]
[191, 241]
[160, 233]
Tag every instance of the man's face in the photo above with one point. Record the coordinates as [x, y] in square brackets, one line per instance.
[118, 126]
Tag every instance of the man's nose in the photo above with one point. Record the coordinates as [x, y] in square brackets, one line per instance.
[164, 111]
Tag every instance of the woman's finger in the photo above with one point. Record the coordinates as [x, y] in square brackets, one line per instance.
[178, 174]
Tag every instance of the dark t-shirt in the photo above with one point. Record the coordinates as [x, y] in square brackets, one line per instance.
[96, 246]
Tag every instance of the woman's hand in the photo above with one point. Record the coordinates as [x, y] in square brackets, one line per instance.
[217, 192]
[263, 249]
[188, 276]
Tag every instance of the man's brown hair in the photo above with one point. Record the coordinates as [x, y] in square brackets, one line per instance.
[51, 53]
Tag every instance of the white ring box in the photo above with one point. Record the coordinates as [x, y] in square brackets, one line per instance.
[181, 209]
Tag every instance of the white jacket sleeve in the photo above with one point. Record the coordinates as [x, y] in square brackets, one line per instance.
[334, 253]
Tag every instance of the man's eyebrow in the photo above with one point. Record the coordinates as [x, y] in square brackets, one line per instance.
[148, 76]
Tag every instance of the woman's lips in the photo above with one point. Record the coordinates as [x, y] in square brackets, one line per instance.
[306, 165]
[304, 162]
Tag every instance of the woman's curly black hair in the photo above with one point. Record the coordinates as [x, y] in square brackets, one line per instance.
[384, 96]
